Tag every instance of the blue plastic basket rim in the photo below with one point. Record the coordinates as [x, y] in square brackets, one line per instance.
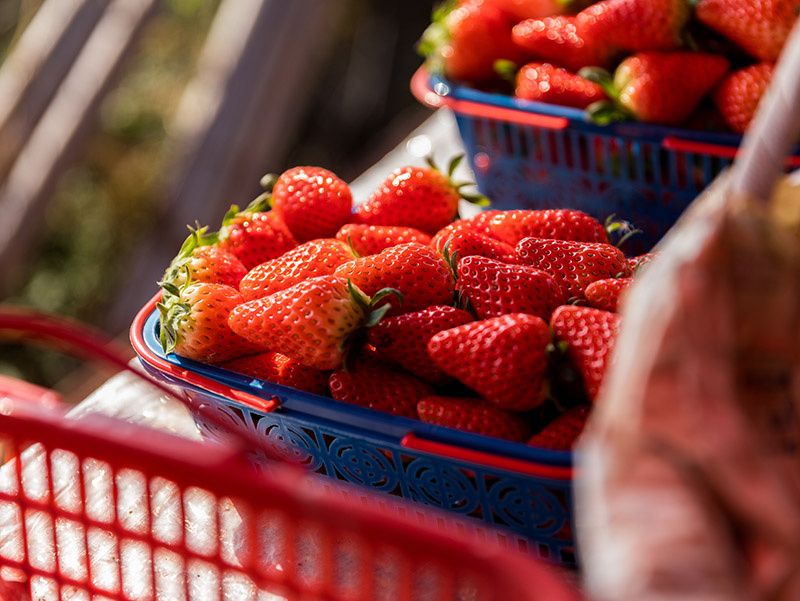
[388, 427]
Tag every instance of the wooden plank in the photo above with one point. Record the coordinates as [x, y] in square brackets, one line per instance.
[37, 65]
[61, 130]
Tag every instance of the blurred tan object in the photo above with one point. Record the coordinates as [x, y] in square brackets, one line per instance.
[689, 482]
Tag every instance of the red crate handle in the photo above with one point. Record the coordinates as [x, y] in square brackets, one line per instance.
[415, 442]
[420, 87]
[718, 150]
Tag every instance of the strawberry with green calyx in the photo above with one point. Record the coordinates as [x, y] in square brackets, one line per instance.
[313, 202]
[739, 94]
[473, 415]
[253, 234]
[605, 294]
[574, 265]
[493, 288]
[464, 39]
[310, 259]
[559, 224]
[371, 239]
[656, 87]
[543, 82]
[561, 40]
[760, 28]
[590, 335]
[417, 271]
[423, 198]
[201, 260]
[194, 322]
[371, 383]
[562, 432]
[635, 25]
[403, 339]
[504, 359]
[280, 369]
[314, 322]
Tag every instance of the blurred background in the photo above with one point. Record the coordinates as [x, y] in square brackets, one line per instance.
[122, 121]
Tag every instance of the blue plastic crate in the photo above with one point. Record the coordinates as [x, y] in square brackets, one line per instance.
[531, 155]
[525, 492]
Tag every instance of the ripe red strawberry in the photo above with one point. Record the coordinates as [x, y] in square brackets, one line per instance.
[494, 288]
[476, 224]
[590, 335]
[280, 369]
[468, 244]
[312, 322]
[562, 41]
[657, 87]
[465, 40]
[194, 323]
[311, 259]
[404, 339]
[760, 28]
[635, 25]
[372, 239]
[201, 260]
[311, 201]
[530, 9]
[637, 264]
[503, 359]
[574, 265]
[420, 197]
[472, 415]
[559, 224]
[542, 82]
[370, 383]
[605, 294]
[417, 271]
[253, 235]
[738, 95]
[562, 432]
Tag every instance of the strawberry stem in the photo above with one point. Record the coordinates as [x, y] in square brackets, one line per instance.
[506, 69]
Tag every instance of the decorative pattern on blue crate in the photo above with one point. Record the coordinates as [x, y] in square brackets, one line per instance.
[537, 509]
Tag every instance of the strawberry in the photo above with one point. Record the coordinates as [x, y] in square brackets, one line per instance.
[604, 294]
[560, 224]
[542, 82]
[312, 322]
[472, 415]
[635, 25]
[253, 235]
[562, 432]
[463, 41]
[477, 224]
[637, 264]
[562, 41]
[657, 87]
[311, 201]
[310, 259]
[761, 28]
[738, 95]
[417, 271]
[372, 239]
[494, 288]
[280, 369]
[590, 335]
[503, 359]
[574, 265]
[423, 198]
[201, 260]
[530, 9]
[468, 244]
[404, 339]
[376, 385]
[194, 323]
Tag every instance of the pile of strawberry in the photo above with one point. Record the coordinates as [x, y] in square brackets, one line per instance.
[500, 324]
[698, 63]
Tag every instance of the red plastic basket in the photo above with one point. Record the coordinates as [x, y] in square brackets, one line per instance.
[100, 509]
